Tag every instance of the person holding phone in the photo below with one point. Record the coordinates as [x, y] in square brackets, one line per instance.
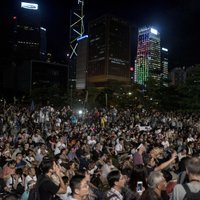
[138, 179]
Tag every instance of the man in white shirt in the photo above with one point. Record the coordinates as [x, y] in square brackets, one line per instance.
[31, 176]
[119, 147]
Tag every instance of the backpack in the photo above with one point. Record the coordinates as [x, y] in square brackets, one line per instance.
[190, 195]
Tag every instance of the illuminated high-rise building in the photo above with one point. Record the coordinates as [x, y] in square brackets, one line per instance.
[29, 38]
[109, 51]
[164, 61]
[148, 60]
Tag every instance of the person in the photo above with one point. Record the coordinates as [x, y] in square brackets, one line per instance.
[25, 194]
[68, 192]
[156, 185]
[46, 187]
[8, 169]
[139, 173]
[116, 182]
[193, 172]
[138, 155]
[79, 188]
[127, 193]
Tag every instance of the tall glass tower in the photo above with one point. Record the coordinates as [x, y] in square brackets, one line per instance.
[165, 70]
[148, 60]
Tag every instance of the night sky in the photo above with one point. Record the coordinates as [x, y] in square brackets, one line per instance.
[178, 22]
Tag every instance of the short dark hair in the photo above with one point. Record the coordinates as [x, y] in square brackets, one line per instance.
[113, 177]
[12, 162]
[65, 179]
[19, 153]
[46, 164]
[75, 182]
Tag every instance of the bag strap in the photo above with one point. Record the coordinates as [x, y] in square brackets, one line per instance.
[187, 189]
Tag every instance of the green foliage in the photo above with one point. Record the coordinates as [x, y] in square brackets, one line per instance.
[155, 95]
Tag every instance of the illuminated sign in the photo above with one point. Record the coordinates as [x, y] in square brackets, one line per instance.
[81, 38]
[31, 6]
[44, 29]
[164, 49]
[154, 31]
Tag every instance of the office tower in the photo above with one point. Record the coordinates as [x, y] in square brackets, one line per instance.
[29, 38]
[164, 61]
[148, 60]
[177, 75]
[109, 51]
[77, 30]
[81, 62]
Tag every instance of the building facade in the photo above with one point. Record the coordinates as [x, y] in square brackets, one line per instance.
[109, 51]
[165, 66]
[177, 76]
[28, 37]
[81, 62]
[148, 59]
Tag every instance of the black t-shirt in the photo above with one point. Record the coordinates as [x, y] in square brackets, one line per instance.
[47, 188]
[2, 185]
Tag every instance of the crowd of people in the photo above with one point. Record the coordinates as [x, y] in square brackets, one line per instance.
[104, 153]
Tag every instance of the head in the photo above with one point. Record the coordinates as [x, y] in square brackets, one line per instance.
[79, 186]
[12, 164]
[139, 173]
[193, 168]
[30, 184]
[31, 171]
[84, 172]
[155, 152]
[47, 165]
[65, 179]
[19, 156]
[116, 180]
[156, 181]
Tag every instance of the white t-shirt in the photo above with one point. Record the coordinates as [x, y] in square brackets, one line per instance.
[27, 179]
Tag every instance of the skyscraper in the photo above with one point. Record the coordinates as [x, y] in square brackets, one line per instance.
[148, 60]
[77, 31]
[109, 51]
[81, 62]
[165, 70]
[29, 39]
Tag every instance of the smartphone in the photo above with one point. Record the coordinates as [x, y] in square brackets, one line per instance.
[139, 186]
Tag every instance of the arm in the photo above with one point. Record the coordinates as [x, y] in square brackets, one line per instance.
[63, 187]
[166, 164]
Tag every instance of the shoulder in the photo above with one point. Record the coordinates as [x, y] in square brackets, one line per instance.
[178, 192]
[113, 195]
[194, 187]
